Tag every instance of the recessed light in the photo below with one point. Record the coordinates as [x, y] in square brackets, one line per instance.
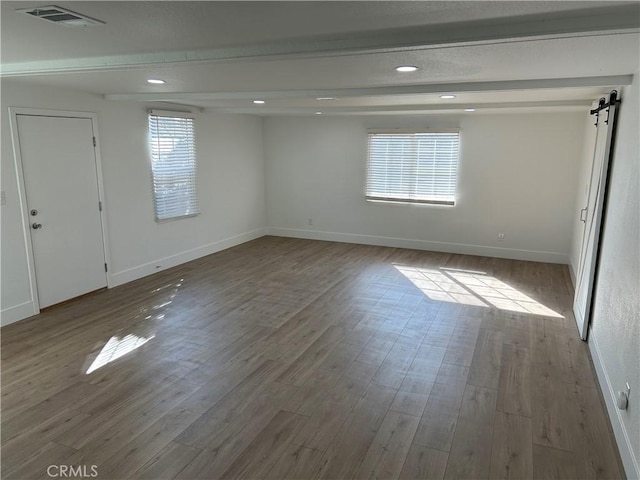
[469, 109]
[258, 102]
[325, 98]
[318, 113]
[406, 68]
[447, 97]
[156, 81]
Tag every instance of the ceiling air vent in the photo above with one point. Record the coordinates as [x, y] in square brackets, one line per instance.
[61, 16]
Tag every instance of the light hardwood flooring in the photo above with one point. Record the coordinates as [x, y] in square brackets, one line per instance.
[285, 358]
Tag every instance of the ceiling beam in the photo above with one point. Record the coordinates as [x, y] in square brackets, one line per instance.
[588, 22]
[432, 88]
[408, 109]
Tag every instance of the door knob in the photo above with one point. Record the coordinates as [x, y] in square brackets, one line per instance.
[36, 226]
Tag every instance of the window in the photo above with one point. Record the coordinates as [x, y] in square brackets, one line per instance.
[173, 164]
[413, 167]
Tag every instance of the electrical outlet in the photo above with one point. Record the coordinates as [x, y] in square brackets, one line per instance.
[501, 236]
[310, 221]
[622, 397]
[3, 199]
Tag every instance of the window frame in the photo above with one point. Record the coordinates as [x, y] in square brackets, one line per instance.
[410, 201]
[193, 167]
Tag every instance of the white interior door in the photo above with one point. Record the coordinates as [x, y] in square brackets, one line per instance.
[61, 187]
[591, 214]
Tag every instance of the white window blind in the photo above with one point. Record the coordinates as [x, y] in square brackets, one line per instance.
[173, 164]
[414, 167]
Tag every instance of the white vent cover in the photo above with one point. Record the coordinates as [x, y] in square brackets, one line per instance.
[60, 16]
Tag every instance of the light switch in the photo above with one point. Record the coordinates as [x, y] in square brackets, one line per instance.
[3, 199]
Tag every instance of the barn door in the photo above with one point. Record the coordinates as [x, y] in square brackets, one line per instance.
[604, 120]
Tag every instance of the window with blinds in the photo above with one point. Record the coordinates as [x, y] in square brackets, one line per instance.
[413, 167]
[173, 164]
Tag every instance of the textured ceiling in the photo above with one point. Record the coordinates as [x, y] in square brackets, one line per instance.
[138, 27]
[221, 55]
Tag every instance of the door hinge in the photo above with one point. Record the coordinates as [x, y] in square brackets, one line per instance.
[99, 205]
[106, 269]
[94, 142]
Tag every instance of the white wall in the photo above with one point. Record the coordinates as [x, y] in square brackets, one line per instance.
[230, 189]
[517, 176]
[614, 339]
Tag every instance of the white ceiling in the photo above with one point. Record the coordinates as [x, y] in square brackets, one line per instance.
[222, 55]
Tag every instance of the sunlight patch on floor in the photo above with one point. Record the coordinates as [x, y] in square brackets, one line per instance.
[117, 348]
[472, 288]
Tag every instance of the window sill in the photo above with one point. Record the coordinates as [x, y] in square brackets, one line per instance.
[411, 202]
[179, 217]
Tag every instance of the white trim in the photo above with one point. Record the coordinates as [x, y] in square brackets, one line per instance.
[410, 131]
[629, 460]
[103, 211]
[45, 112]
[17, 313]
[24, 214]
[150, 268]
[17, 155]
[481, 250]
[170, 113]
[572, 273]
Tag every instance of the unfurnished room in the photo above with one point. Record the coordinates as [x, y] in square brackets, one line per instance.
[320, 240]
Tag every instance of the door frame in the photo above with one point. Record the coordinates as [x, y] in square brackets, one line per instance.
[24, 211]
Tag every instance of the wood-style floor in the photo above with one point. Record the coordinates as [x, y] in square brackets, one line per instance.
[285, 358]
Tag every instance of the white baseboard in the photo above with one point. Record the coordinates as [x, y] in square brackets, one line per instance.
[17, 313]
[629, 459]
[515, 254]
[572, 274]
[125, 276]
